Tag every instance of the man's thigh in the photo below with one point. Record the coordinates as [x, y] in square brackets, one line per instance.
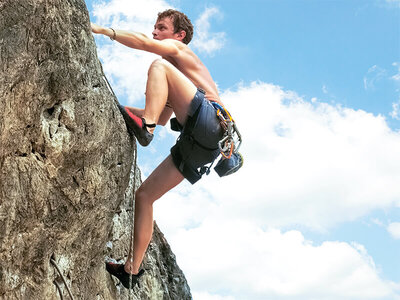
[180, 91]
[165, 177]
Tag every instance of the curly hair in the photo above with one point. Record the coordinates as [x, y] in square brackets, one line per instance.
[180, 21]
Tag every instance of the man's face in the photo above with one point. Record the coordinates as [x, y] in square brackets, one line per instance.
[164, 29]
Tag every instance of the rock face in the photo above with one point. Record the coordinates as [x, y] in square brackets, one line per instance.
[66, 164]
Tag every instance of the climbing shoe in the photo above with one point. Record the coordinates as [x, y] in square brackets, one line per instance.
[137, 126]
[118, 271]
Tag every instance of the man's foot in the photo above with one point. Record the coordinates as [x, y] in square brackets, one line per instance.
[118, 271]
[137, 126]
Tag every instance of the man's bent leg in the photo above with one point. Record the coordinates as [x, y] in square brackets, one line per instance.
[164, 178]
[166, 82]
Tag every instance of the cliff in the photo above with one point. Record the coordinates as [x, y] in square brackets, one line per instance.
[66, 164]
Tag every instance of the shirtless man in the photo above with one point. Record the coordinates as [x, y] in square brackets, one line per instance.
[180, 83]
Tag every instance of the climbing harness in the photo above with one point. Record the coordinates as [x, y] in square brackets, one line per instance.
[209, 131]
[232, 139]
[229, 145]
[197, 146]
[63, 278]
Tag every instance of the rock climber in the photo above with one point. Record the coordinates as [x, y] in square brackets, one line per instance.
[178, 83]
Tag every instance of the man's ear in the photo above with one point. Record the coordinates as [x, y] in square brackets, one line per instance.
[181, 35]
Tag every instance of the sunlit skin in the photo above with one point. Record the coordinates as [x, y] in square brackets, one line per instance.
[173, 78]
[164, 29]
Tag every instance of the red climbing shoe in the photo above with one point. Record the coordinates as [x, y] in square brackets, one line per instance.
[118, 271]
[137, 126]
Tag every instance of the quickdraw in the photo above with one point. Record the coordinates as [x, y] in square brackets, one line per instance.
[231, 141]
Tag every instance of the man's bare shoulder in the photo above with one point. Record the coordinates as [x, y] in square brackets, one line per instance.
[165, 47]
[183, 50]
[179, 44]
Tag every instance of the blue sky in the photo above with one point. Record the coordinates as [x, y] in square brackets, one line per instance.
[315, 89]
[305, 45]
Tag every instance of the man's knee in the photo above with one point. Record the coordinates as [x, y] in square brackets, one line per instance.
[143, 196]
[158, 64]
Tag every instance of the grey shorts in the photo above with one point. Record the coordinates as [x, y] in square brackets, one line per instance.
[197, 145]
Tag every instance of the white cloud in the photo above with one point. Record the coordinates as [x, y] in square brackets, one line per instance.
[129, 12]
[127, 71]
[204, 40]
[394, 229]
[377, 222]
[395, 110]
[306, 164]
[396, 77]
[374, 75]
[396, 105]
[240, 260]
[127, 68]
[207, 296]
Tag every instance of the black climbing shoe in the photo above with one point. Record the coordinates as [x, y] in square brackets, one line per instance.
[118, 271]
[137, 126]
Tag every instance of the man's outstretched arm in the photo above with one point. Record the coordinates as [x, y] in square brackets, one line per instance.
[138, 41]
